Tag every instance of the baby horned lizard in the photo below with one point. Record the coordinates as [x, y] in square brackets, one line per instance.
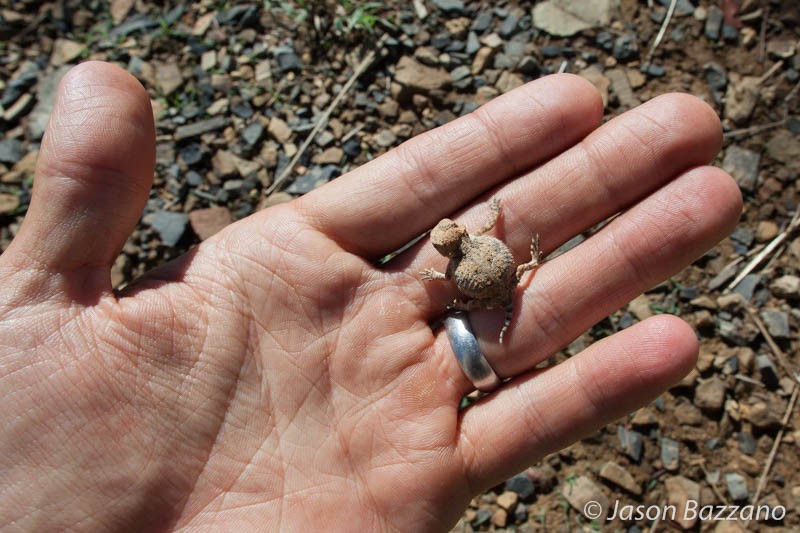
[482, 267]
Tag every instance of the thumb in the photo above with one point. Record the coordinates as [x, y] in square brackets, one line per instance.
[92, 180]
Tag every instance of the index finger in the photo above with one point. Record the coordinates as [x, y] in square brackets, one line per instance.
[382, 205]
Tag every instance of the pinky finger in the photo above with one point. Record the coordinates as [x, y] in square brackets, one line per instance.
[544, 411]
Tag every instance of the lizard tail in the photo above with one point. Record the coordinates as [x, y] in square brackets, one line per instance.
[507, 321]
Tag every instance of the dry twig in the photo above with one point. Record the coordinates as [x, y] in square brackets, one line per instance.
[779, 355]
[661, 32]
[762, 481]
[323, 120]
[773, 244]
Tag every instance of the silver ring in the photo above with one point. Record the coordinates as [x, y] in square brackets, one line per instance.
[468, 352]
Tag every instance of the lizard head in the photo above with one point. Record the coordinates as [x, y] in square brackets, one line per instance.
[446, 237]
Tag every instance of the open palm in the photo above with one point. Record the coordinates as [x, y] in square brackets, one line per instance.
[274, 377]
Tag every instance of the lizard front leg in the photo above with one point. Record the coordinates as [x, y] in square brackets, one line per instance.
[430, 274]
[494, 207]
[536, 256]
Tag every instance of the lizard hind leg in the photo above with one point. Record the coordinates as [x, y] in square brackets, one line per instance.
[536, 257]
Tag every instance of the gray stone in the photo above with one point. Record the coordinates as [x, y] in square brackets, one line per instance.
[46, 95]
[482, 22]
[196, 129]
[631, 442]
[473, 44]
[670, 454]
[316, 177]
[529, 66]
[11, 150]
[682, 7]
[741, 98]
[450, 6]
[191, 154]
[568, 17]
[626, 47]
[509, 26]
[742, 164]
[737, 332]
[747, 286]
[170, 226]
[252, 135]
[785, 147]
[737, 486]
[521, 484]
[767, 371]
[714, 21]
[747, 443]
[777, 323]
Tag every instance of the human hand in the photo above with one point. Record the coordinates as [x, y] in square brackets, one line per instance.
[274, 378]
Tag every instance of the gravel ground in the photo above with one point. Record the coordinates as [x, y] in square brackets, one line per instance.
[257, 103]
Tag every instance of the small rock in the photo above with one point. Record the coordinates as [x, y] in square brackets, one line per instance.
[207, 222]
[631, 442]
[737, 332]
[529, 66]
[710, 394]
[682, 7]
[742, 164]
[65, 51]
[492, 40]
[500, 518]
[737, 486]
[208, 60]
[622, 88]
[252, 135]
[785, 148]
[741, 98]
[450, 6]
[168, 77]
[482, 516]
[670, 454]
[747, 286]
[324, 138]
[733, 303]
[580, 492]
[508, 499]
[644, 418]
[418, 77]
[596, 78]
[385, 138]
[777, 323]
[767, 371]
[482, 59]
[747, 443]
[279, 130]
[787, 287]
[640, 307]
[714, 21]
[331, 156]
[508, 81]
[198, 128]
[568, 17]
[688, 414]
[8, 203]
[781, 48]
[46, 95]
[764, 415]
[626, 47]
[224, 163]
[482, 22]
[316, 177]
[766, 230]
[169, 225]
[521, 484]
[288, 60]
[11, 150]
[617, 475]
[680, 492]
[509, 26]
[191, 154]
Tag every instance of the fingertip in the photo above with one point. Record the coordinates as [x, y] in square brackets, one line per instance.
[688, 113]
[673, 347]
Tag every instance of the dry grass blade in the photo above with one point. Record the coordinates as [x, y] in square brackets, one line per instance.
[661, 32]
[779, 355]
[323, 120]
